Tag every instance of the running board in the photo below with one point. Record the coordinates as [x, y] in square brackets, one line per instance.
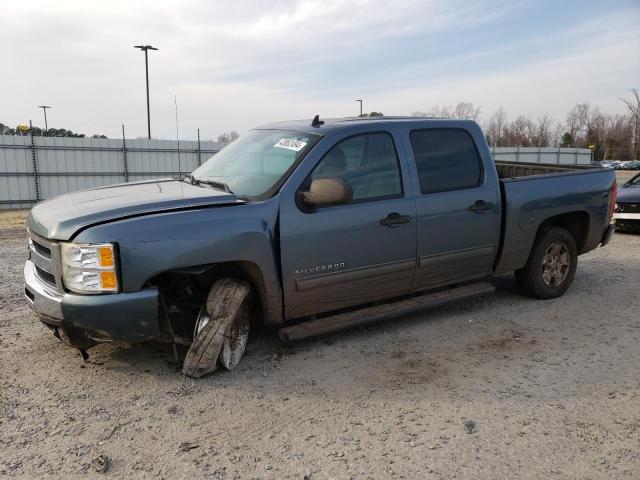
[343, 321]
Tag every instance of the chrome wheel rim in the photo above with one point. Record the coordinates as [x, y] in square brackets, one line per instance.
[555, 264]
[235, 341]
[202, 320]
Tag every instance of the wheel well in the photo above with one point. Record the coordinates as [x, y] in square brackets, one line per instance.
[185, 290]
[576, 223]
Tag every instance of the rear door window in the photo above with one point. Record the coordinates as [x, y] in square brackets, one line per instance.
[446, 159]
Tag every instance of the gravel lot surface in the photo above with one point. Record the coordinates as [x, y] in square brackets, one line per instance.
[552, 388]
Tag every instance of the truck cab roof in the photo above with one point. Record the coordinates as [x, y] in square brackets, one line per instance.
[332, 124]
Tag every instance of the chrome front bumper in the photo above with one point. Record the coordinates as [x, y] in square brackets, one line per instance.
[626, 216]
[44, 300]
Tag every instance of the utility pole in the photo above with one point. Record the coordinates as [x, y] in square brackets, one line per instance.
[146, 48]
[175, 102]
[360, 106]
[44, 109]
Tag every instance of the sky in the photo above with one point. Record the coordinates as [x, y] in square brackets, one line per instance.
[233, 65]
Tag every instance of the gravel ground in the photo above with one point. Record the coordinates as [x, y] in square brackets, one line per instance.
[552, 387]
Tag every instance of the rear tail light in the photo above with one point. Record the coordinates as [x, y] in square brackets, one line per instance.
[613, 198]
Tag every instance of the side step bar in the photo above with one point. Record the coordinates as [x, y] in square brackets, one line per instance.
[343, 321]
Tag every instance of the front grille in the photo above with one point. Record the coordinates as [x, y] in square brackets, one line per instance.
[628, 208]
[45, 255]
[41, 249]
[29, 294]
[46, 276]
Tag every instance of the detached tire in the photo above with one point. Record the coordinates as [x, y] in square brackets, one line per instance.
[222, 328]
[551, 266]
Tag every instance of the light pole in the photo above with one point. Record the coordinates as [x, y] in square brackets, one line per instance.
[360, 106]
[146, 48]
[44, 109]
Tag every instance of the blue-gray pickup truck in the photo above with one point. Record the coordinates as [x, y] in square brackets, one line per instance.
[314, 226]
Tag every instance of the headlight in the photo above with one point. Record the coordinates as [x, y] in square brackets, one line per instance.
[89, 268]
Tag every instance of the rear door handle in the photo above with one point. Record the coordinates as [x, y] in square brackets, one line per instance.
[480, 206]
[395, 219]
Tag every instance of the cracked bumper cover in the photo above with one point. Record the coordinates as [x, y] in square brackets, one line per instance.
[121, 317]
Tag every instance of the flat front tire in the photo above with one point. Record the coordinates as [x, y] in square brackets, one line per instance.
[222, 328]
[551, 266]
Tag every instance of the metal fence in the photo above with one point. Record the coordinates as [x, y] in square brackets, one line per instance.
[36, 168]
[552, 155]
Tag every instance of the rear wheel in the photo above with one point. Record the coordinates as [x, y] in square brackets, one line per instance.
[551, 266]
[222, 328]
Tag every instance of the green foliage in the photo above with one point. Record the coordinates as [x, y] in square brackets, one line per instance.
[567, 140]
[39, 132]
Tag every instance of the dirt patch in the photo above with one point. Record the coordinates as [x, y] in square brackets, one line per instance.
[550, 387]
[12, 224]
[507, 339]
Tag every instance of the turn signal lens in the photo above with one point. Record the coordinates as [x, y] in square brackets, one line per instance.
[106, 256]
[108, 280]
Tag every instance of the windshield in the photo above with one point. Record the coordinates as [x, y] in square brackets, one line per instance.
[254, 163]
[634, 182]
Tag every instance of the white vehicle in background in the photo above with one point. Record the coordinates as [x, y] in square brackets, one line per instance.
[617, 164]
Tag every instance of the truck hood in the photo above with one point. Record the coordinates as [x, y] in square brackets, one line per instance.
[59, 218]
[628, 195]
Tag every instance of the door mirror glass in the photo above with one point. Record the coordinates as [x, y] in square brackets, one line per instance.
[327, 191]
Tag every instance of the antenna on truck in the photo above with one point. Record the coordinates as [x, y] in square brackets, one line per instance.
[316, 121]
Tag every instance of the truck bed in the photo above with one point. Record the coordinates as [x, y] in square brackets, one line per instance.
[533, 193]
[512, 170]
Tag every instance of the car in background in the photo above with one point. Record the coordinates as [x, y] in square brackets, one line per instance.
[621, 164]
[617, 164]
[632, 165]
[627, 210]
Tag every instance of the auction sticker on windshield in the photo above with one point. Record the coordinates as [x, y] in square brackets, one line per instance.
[291, 144]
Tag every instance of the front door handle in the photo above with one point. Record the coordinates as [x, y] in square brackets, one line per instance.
[395, 219]
[480, 206]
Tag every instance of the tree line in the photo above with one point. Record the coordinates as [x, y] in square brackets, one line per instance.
[610, 136]
[26, 130]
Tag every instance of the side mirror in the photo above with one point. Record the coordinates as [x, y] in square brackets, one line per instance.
[327, 191]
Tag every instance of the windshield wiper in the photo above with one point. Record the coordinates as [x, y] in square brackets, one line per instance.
[218, 185]
[188, 177]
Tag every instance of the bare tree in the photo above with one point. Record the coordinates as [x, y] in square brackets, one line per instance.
[610, 136]
[466, 111]
[556, 134]
[542, 135]
[573, 123]
[228, 137]
[463, 111]
[438, 111]
[617, 132]
[633, 105]
[495, 127]
[517, 132]
[592, 125]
